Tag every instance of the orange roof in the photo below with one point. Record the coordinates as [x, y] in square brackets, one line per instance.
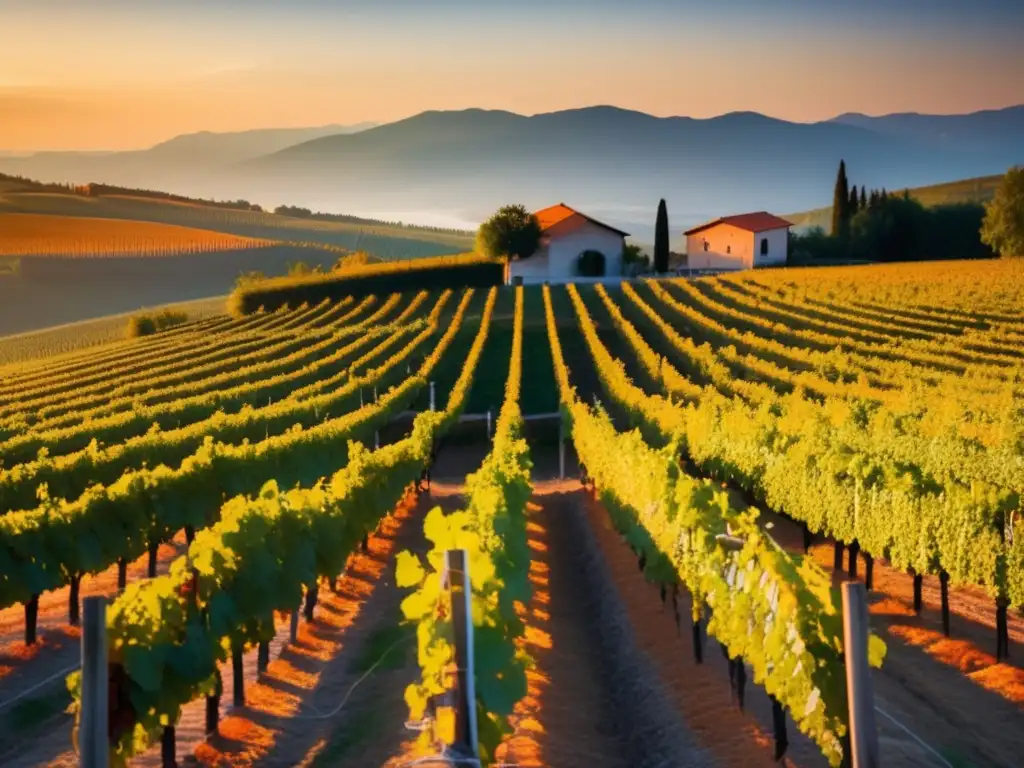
[556, 214]
[752, 222]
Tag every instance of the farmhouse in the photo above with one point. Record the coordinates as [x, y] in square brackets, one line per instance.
[743, 241]
[566, 235]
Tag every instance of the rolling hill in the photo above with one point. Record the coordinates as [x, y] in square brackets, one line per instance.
[145, 251]
[385, 240]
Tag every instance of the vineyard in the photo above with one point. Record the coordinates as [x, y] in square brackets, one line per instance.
[85, 238]
[267, 501]
[74, 337]
[382, 240]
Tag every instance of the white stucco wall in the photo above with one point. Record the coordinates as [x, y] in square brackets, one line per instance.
[532, 270]
[558, 260]
[778, 246]
[730, 247]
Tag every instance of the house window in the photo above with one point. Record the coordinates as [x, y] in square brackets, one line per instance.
[764, 246]
[705, 245]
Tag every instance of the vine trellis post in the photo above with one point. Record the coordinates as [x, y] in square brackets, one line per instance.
[457, 579]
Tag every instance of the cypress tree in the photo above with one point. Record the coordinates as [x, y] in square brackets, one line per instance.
[863, 198]
[841, 203]
[661, 239]
[854, 201]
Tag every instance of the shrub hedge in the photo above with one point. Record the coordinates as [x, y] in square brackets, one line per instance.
[147, 324]
[458, 271]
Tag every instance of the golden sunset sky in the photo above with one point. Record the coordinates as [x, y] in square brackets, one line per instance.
[111, 74]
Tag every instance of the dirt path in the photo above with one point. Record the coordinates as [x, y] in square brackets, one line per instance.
[290, 714]
[947, 690]
[700, 693]
[568, 718]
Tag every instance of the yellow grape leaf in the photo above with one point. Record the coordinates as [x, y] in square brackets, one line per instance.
[416, 606]
[876, 650]
[416, 700]
[408, 570]
[445, 728]
[437, 530]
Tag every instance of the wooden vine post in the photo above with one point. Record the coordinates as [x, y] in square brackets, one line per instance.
[863, 732]
[944, 591]
[237, 675]
[466, 735]
[561, 449]
[93, 738]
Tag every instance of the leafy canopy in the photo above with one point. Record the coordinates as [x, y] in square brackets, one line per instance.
[511, 233]
[1003, 227]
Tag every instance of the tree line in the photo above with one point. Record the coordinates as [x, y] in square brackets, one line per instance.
[298, 212]
[93, 189]
[877, 225]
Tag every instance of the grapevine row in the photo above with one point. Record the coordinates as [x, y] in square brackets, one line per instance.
[221, 597]
[194, 401]
[65, 477]
[116, 352]
[492, 530]
[234, 378]
[672, 520]
[936, 357]
[132, 419]
[996, 343]
[832, 475]
[131, 361]
[245, 348]
[268, 355]
[973, 415]
[59, 541]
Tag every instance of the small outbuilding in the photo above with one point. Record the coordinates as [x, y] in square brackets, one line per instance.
[572, 245]
[744, 241]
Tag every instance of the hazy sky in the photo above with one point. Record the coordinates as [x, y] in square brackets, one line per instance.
[104, 74]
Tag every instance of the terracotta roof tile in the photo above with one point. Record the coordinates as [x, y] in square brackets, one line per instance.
[751, 222]
[556, 214]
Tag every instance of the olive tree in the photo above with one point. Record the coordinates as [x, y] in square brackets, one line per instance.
[1003, 226]
[511, 233]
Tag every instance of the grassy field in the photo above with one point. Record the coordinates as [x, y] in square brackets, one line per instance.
[978, 190]
[23, 234]
[57, 340]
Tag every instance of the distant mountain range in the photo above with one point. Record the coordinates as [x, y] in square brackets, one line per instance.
[177, 159]
[612, 163]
